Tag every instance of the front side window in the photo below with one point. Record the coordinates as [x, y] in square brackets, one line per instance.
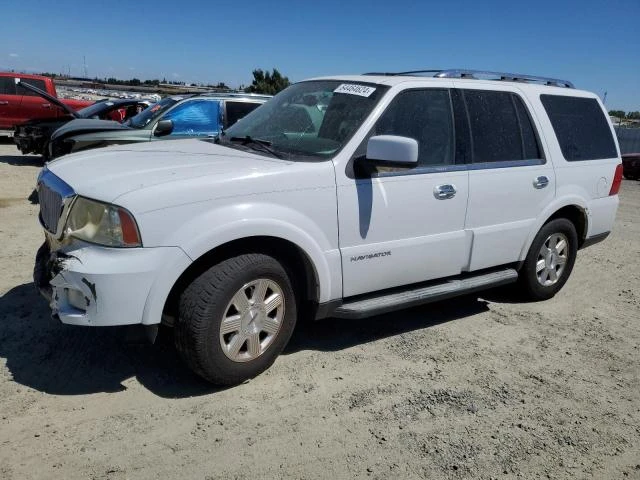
[424, 115]
[580, 126]
[501, 129]
[36, 83]
[309, 119]
[195, 118]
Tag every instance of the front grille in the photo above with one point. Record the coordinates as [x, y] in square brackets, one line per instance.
[50, 207]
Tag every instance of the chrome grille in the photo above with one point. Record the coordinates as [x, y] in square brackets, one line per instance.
[50, 207]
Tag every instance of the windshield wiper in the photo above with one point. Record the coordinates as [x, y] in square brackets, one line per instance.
[264, 145]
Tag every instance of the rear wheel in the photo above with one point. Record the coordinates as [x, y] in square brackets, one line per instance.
[550, 260]
[236, 318]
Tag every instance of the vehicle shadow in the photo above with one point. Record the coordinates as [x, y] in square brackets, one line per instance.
[50, 357]
[22, 160]
[334, 334]
[18, 159]
[43, 354]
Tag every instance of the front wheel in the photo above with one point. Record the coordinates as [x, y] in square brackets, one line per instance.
[236, 318]
[550, 260]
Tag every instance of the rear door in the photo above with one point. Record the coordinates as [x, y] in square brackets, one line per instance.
[510, 181]
[33, 105]
[9, 102]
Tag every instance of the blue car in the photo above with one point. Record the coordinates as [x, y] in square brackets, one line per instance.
[204, 115]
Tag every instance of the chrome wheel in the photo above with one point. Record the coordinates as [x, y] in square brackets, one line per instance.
[252, 320]
[552, 259]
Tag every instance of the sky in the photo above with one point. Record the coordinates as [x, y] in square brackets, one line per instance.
[594, 44]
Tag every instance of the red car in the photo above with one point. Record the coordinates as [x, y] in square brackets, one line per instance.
[17, 104]
[631, 166]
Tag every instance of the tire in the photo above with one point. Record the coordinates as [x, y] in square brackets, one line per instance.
[255, 331]
[540, 284]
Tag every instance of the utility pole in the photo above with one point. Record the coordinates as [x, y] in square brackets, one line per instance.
[84, 63]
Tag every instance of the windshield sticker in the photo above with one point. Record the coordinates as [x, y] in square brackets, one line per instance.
[352, 89]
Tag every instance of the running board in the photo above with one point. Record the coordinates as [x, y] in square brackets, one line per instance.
[368, 307]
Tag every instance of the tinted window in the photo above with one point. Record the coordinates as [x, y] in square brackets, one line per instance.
[237, 110]
[580, 126]
[36, 83]
[530, 145]
[195, 118]
[494, 126]
[7, 86]
[424, 115]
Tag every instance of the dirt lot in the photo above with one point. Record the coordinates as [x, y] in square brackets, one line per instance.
[471, 388]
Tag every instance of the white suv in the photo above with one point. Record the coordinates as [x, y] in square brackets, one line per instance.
[344, 197]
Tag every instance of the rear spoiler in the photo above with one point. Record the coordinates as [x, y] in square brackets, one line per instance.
[46, 96]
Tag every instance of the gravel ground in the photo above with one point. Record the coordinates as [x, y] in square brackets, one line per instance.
[478, 387]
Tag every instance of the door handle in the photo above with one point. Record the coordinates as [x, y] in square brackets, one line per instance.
[4, 103]
[444, 192]
[46, 105]
[540, 182]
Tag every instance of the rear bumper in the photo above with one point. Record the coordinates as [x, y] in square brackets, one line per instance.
[99, 286]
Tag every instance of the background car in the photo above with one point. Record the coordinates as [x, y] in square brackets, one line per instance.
[204, 115]
[631, 166]
[33, 136]
[19, 103]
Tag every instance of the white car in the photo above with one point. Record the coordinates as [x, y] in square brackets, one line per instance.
[344, 196]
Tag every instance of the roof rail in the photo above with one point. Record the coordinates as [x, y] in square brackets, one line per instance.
[486, 75]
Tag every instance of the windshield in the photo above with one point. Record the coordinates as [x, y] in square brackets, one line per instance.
[96, 109]
[154, 111]
[315, 118]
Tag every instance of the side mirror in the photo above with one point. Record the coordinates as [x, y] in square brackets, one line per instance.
[163, 128]
[393, 151]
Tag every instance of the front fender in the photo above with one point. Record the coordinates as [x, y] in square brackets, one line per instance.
[209, 228]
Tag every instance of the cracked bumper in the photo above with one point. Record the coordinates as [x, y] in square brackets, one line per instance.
[99, 286]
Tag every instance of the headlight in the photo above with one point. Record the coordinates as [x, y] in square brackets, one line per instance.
[102, 223]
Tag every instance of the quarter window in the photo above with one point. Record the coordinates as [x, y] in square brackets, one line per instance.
[501, 129]
[580, 126]
[424, 115]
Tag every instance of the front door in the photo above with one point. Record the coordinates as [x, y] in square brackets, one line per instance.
[400, 226]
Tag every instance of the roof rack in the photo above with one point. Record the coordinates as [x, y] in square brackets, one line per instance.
[483, 74]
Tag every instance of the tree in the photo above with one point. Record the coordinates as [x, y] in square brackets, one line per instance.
[267, 82]
[633, 115]
[617, 113]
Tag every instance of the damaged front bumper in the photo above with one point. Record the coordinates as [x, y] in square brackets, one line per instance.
[99, 286]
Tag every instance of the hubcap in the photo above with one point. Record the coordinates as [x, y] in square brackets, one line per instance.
[552, 259]
[252, 320]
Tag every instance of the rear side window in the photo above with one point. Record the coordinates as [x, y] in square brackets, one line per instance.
[237, 110]
[36, 83]
[7, 86]
[501, 129]
[580, 127]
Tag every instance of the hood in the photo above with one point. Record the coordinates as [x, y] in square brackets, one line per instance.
[50, 98]
[108, 173]
[87, 125]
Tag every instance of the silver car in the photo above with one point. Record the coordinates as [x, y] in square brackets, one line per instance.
[174, 117]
